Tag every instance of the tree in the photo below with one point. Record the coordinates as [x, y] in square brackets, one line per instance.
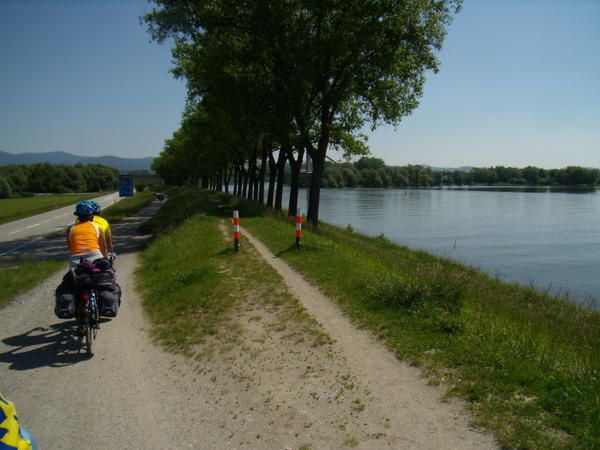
[17, 176]
[5, 191]
[575, 175]
[531, 175]
[324, 67]
[370, 163]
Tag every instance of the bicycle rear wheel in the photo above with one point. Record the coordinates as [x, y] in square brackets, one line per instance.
[88, 325]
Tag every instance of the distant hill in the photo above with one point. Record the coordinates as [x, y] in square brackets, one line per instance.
[123, 164]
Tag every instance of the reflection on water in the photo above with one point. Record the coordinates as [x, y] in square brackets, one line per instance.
[547, 239]
[565, 189]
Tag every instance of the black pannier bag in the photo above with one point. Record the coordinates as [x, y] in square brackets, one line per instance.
[84, 279]
[66, 293]
[109, 300]
[103, 280]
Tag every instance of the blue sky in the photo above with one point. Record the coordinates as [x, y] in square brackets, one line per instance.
[519, 84]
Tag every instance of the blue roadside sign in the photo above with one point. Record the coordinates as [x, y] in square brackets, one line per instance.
[125, 185]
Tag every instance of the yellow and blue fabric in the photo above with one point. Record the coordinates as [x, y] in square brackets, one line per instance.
[104, 226]
[11, 437]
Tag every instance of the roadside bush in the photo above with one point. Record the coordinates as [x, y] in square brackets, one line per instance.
[5, 191]
[437, 292]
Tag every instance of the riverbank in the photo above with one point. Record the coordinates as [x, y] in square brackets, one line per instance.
[526, 362]
[546, 240]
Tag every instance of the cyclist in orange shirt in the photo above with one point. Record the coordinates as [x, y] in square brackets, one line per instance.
[86, 240]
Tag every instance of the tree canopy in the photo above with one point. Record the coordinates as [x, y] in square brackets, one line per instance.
[291, 78]
[57, 178]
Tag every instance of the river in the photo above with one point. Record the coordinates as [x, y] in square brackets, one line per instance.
[550, 240]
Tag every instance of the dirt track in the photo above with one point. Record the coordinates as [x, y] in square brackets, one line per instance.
[266, 392]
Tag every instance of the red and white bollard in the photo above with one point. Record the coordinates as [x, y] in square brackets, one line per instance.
[299, 220]
[236, 230]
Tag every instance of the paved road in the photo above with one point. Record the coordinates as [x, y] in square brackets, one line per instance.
[27, 235]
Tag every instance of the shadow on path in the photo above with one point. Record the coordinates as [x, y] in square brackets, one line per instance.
[54, 346]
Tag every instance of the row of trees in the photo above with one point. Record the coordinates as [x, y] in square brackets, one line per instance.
[18, 179]
[372, 172]
[531, 176]
[270, 82]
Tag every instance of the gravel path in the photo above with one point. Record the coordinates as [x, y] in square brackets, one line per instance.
[413, 411]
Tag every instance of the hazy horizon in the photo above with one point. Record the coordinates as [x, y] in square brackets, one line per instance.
[353, 160]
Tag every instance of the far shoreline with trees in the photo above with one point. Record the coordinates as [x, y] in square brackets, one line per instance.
[370, 172]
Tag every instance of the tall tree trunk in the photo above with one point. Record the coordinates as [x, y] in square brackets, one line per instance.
[228, 175]
[283, 152]
[251, 175]
[235, 179]
[318, 161]
[272, 176]
[256, 185]
[204, 182]
[240, 185]
[266, 147]
[295, 165]
[244, 183]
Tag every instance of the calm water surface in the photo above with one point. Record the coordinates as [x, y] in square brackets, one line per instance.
[547, 239]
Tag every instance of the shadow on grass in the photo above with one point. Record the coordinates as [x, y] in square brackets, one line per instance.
[290, 248]
[226, 251]
[53, 346]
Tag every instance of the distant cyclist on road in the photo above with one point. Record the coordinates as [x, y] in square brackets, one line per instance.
[86, 239]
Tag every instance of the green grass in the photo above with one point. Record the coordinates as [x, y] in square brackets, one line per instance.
[179, 279]
[19, 208]
[19, 275]
[528, 364]
[192, 281]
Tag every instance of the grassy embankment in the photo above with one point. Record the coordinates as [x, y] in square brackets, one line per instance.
[192, 280]
[17, 275]
[19, 208]
[528, 364]
[127, 206]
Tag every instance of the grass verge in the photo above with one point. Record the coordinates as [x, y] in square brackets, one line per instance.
[196, 288]
[19, 208]
[528, 364]
[19, 275]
